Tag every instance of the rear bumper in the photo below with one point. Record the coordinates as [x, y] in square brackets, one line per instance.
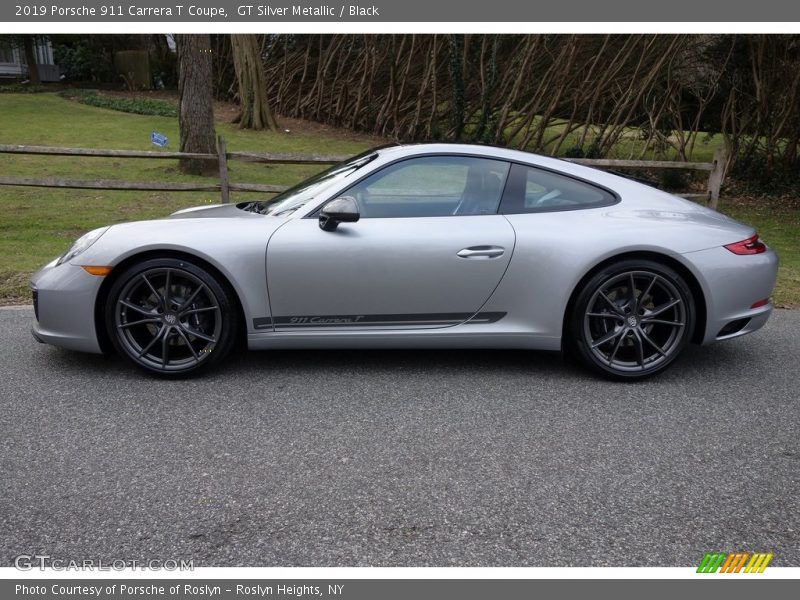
[732, 284]
[65, 299]
[35, 333]
[748, 322]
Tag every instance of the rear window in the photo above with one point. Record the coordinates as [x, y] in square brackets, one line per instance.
[531, 190]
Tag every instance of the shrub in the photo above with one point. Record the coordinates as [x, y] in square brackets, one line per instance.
[20, 88]
[593, 151]
[674, 180]
[84, 59]
[756, 174]
[139, 106]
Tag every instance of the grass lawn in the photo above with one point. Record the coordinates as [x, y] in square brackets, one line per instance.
[629, 146]
[37, 224]
[778, 224]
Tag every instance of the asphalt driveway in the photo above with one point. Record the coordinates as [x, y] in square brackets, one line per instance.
[401, 458]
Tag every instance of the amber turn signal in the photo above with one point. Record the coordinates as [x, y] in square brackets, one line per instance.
[99, 271]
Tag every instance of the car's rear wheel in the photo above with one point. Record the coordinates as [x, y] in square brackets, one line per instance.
[632, 319]
[170, 317]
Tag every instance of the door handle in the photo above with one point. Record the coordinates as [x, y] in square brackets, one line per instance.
[481, 252]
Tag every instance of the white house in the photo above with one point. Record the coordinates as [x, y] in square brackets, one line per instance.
[12, 61]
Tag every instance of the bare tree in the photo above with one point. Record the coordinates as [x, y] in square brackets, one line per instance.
[581, 95]
[254, 108]
[196, 103]
[30, 58]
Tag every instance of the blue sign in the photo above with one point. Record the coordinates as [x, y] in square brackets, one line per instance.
[158, 139]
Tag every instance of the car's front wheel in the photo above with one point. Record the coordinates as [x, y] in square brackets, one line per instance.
[632, 319]
[170, 317]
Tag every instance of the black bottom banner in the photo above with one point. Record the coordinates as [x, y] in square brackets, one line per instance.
[406, 589]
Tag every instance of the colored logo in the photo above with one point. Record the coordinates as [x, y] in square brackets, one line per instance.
[734, 562]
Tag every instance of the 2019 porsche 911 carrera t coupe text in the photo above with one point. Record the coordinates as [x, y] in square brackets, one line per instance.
[417, 246]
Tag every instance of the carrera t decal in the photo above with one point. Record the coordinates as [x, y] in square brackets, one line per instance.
[443, 319]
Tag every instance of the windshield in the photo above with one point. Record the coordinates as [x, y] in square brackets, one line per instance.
[299, 195]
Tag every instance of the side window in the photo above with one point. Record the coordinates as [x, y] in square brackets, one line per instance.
[432, 186]
[533, 190]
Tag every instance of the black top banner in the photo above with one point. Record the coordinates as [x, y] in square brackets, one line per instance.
[392, 11]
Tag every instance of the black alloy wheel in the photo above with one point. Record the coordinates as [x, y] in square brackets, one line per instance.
[632, 319]
[170, 317]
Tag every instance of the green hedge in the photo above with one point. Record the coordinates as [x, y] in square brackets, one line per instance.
[139, 106]
[21, 88]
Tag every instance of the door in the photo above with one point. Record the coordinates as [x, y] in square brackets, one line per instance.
[428, 251]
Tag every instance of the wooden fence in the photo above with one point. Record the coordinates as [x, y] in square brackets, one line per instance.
[715, 169]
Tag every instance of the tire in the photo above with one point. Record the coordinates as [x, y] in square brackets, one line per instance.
[631, 336]
[171, 317]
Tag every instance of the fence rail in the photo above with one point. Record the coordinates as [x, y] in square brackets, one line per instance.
[295, 159]
[715, 169]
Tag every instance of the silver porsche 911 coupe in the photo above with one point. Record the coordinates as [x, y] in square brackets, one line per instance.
[417, 246]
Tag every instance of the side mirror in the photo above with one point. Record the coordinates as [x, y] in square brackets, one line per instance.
[341, 210]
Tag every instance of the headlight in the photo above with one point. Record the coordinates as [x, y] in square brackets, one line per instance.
[81, 244]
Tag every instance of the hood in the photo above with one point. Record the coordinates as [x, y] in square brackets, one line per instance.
[213, 211]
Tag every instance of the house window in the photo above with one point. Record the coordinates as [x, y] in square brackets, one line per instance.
[6, 54]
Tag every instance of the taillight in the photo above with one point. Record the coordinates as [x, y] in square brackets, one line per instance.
[751, 245]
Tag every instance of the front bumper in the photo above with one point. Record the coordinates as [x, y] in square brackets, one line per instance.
[65, 298]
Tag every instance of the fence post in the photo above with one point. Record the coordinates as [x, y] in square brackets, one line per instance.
[223, 170]
[715, 177]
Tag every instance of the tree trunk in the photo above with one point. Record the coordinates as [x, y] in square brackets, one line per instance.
[254, 108]
[30, 58]
[457, 82]
[195, 103]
